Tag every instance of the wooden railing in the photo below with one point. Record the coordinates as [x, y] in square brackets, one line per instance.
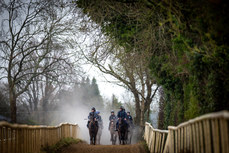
[15, 138]
[205, 134]
[155, 138]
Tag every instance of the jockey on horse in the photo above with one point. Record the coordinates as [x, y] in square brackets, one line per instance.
[112, 118]
[92, 126]
[100, 123]
[92, 115]
[129, 119]
[99, 119]
[121, 115]
[112, 128]
[122, 126]
[130, 127]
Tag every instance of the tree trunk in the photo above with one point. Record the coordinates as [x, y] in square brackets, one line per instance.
[142, 113]
[36, 104]
[148, 113]
[13, 107]
[147, 108]
[137, 109]
[44, 111]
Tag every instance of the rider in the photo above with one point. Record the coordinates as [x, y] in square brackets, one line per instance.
[112, 118]
[129, 119]
[121, 115]
[99, 119]
[92, 115]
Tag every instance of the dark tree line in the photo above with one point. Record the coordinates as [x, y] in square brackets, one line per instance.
[84, 93]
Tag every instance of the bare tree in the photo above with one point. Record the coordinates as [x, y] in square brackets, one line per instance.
[130, 37]
[28, 30]
[41, 95]
[130, 69]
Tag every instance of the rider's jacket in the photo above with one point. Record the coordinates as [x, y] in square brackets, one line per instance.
[112, 117]
[98, 118]
[100, 121]
[122, 114]
[92, 115]
[129, 118]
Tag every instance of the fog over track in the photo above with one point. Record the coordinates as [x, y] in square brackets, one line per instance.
[78, 114]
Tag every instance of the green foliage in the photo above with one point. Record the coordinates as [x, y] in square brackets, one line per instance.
[190, 46]
[88, 91]
[114, 104]
[95, 87]
[145, 146]
[64, 142]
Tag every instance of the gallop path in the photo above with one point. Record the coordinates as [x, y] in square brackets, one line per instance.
[85, 148]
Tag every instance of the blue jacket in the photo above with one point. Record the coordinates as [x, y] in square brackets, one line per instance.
[98, 118]
[100, 121]
[129, 118]
[92, 115]
[122, 114]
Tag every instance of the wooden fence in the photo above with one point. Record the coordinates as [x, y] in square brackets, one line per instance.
[155, 138]
[205, 134]
[15, 138]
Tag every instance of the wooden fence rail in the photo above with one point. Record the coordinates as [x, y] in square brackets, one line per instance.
[155, 138]
[205, 134]
[15, 138]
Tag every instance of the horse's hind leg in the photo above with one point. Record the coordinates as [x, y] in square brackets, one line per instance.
[90, 137]
[130, 139]
[111, 137]
[91, 141]
[97, 140]
[115, 139]
[94, 140]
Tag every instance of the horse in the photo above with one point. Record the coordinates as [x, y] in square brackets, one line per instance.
[113, 132]
[93, 129]
[122, 131]
[130, 132]
[99, 133]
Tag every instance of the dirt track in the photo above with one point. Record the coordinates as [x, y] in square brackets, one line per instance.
[85, 148]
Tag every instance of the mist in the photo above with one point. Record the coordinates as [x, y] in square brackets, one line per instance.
[78, 113]
[74, 107]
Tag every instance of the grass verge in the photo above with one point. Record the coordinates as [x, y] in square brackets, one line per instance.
[56, 148]
[145, 146]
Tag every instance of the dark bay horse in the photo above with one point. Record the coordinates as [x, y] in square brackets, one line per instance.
[93, 129]
[123, 131]
[113, 132]
[130, 132]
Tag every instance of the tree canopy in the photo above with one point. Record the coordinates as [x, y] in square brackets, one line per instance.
[189, 45]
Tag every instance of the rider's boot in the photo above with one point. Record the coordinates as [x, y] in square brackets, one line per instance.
[117, 125]
[116, 128]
